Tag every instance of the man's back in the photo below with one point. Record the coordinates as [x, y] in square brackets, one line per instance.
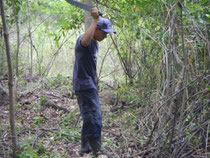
[84, 76]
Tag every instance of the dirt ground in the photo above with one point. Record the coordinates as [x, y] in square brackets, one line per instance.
[37, 125]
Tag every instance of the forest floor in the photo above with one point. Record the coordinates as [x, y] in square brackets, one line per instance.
[48, 122]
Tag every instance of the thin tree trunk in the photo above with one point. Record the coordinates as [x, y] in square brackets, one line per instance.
[122, 62]
[102, 63]
[10, 81]
[49, 65]
[18, 37]
[207, 43]
[17, 50]
[38, 61]
[185, 76]
[31, 48]
[31, 45]
[170, 88]
[88, 18]
[169, 84]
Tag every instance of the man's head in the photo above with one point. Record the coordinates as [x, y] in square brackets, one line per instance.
[103, 28]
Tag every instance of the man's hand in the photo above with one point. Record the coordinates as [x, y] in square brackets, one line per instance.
[94, 13]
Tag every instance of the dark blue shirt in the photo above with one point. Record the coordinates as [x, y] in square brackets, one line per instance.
[84, 76]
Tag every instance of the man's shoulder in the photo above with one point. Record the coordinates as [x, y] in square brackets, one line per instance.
[79, 45]
[79, 39]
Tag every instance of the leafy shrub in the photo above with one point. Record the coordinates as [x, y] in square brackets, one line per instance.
[59, 81]
[128, 94]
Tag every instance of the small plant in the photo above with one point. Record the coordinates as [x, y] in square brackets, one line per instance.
[69, 119]
[18, 107]
[43, 100]
[41, 150]
[128, 94]
[22, 83]
[28, 151]
[34, 105]
[108, 142]
[59, 81]
[37, 120]
[69, 134]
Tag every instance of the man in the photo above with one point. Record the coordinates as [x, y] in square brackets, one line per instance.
[84, 83]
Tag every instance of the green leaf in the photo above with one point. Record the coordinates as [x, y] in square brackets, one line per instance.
[207, 15]
[57, 43]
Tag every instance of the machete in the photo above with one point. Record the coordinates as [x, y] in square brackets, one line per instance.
[82, 5]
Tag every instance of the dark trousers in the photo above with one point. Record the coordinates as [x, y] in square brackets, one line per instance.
[90, 110]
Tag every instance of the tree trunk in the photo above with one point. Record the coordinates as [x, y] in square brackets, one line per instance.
[31, 48]
[38, 61]
[18, 37]
[88, 18]
[17, 50]
[31, 44]
[10, 81]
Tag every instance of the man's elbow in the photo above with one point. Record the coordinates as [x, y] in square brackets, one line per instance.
[84, 44]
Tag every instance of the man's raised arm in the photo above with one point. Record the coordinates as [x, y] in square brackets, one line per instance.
[88, 36]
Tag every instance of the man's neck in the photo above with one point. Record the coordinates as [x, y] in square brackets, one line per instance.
[95, 40]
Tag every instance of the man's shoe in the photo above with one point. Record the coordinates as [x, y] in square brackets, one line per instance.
[85, 147]
[96, 148]
[83, 151]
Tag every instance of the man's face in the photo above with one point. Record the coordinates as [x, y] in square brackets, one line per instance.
[100, 35]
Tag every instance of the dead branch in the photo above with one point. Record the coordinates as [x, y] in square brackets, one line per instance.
[54, 106]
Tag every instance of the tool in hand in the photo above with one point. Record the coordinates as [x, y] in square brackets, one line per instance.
[82, 6]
